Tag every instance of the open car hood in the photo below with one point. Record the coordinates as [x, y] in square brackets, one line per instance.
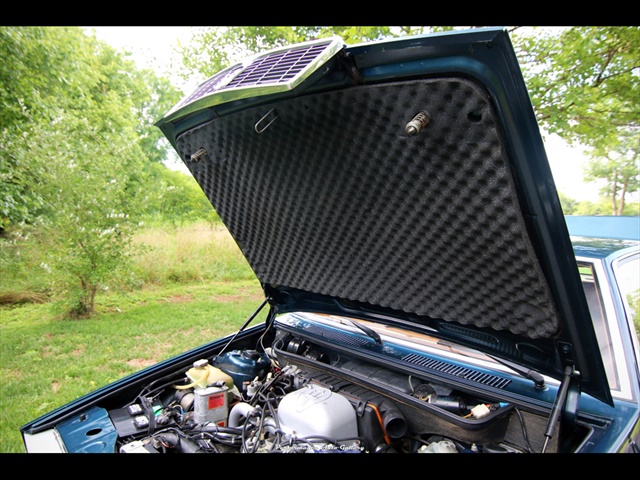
[398, 181]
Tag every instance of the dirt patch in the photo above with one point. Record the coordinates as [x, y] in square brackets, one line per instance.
[47, 351]
[243, 294]
[12, 375]
[141, 362]
[55, 386]
[180, 299]
[79, 351]
[227, 298]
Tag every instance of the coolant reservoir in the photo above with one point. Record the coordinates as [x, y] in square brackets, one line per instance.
[203, 374]
[244, 365]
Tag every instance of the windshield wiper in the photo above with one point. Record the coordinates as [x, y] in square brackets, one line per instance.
[535, 377]
[538, 380]
[369, 331]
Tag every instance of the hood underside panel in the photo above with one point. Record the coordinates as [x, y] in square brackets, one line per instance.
[329, 194]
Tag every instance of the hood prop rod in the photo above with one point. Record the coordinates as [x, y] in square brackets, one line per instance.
[561, 398]
[249, 320]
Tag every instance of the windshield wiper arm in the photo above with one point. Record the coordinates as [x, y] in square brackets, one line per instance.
[369, 331]
[537, 379]
[532, 375]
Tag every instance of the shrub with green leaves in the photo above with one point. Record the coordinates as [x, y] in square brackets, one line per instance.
[71, 160]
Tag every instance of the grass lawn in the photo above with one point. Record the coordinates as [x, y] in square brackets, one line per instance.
[47, 361]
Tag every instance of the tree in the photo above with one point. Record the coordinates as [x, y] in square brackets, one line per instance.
[568, 204]
[73, 152]
[49, 72]
[583, 80]
[585, 84]
[40, 69]
[91, 195]
[176, 197]
[153, 96]
[619, 164]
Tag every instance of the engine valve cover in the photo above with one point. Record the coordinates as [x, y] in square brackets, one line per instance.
[315, 411]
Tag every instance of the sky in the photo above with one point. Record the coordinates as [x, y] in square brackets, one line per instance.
[154, 47]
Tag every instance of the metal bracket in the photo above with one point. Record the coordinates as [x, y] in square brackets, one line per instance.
[261, 124]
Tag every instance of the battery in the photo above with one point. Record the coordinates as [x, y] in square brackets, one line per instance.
[211, 405]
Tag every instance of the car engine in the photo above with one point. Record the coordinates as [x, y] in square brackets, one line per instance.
[296, 397]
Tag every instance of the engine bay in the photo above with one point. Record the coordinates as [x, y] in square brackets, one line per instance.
[289, 409]
[300, 395]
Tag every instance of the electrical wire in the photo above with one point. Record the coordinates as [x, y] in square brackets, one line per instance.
[524, 430]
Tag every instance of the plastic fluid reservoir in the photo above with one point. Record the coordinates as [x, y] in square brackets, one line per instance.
[243, 365]
[203, 374]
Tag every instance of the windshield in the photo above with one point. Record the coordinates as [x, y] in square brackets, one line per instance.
[600, 296]
[593, 293]
[626, 271]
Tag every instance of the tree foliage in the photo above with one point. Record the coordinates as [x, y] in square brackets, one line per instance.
[33, 92]
[75, 145]
[584, 81]
[585, 85]
[176, 198]
[151, 99]
[618, 163]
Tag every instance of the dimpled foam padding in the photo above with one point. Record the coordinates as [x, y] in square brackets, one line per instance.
[335, 198]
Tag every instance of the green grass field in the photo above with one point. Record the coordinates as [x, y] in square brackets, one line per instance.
[195, 287]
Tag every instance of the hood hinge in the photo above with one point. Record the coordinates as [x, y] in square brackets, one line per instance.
[570, 411]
